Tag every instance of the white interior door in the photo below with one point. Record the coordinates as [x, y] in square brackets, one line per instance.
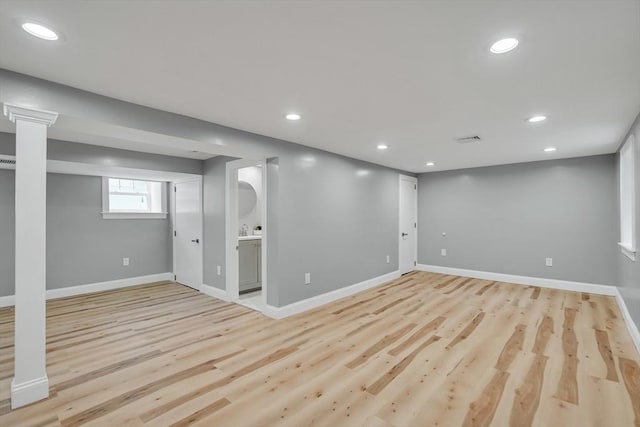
[408, 224]
[188, 234]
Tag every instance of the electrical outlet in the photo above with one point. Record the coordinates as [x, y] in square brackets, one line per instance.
[443, 252]
[388, 259]
[307, 278]
[219, 270]
[125, 261]
[549, 262]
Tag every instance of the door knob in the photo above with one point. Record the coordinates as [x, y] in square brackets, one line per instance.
[405, 234]
[195, 241]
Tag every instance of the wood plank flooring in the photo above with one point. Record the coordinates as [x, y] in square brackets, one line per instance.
[424, 350]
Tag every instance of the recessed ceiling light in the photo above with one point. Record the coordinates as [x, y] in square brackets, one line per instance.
[40, 31]
[431, 164]
[293, 117]
[382, 146]
[536, 119]
[550, 149]
[504, 45]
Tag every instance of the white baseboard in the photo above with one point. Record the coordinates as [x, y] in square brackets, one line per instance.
[547, 283]
[523, 280]
[212, 291]
[28, 392]
[318, 300]
[8, 301]
[95, 287]
[631, 325]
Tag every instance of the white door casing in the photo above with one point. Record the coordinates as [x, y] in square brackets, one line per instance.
[232, 284]
[187, 226]
[408, 227]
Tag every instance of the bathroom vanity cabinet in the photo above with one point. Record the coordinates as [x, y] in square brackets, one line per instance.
[250, 263]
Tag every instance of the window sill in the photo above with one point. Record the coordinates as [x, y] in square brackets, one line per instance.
[628, 251]
[133, 215]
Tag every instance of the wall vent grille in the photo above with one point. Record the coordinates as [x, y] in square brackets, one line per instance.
[468, 139]
[7, 162]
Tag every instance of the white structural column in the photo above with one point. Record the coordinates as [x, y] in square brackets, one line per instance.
[30, 382]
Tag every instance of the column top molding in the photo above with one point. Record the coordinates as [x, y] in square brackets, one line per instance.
[16, 112]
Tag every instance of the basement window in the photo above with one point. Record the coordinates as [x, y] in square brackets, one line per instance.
[133, 199]
[627, 199]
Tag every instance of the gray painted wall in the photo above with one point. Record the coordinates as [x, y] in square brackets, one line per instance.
[629, 271]
[331, 216]
[325, 219]
[214, 220]
[337, 219]
[82, 247]
[7, 232]
[508, 219]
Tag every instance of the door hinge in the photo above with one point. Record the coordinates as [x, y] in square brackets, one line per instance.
[175, 277]
[175, 233]
[415, 263]
[415, 186]
[415, 225]
[175, 189]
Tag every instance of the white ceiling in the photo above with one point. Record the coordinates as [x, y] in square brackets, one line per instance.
[414, 75]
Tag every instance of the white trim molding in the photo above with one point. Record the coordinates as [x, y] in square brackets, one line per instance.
[134, 215]
[7, 301]
[70, 291]
[153, 213]
[322, 299]
[107, 286]
[523, 280]
[29, 392]
[631, 325]
[628, 251]
[212, 291]
[232, 284]
[34, 115]
[627, 198]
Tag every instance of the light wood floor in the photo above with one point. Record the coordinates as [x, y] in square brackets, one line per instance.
[424, 350]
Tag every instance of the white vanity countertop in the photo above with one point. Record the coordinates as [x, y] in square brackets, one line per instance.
[249, 237]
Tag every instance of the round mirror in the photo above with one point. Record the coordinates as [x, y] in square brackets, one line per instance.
[247, 198]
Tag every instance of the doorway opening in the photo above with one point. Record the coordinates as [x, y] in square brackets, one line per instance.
[408, 227]
[246, 234]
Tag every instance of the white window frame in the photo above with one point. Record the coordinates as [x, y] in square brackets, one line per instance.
[108, 214]
[628, 199]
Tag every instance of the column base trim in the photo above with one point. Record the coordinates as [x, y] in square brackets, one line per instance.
[28, 392]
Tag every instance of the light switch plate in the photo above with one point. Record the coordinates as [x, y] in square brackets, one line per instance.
[443, 252]
[125, 261]
[307, 278]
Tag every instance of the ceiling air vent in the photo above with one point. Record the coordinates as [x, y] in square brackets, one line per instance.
[468, 139]
[7, 162]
